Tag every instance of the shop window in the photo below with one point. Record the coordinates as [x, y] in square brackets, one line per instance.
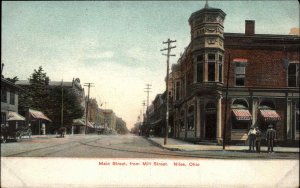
[240, 124]
[240, 71]
[191, 118]
[3, 95]
[293, 75]
[12, 98]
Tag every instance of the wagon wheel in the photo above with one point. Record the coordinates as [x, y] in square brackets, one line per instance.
[18, 136]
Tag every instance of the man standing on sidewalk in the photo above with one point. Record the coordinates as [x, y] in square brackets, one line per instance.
[258, 140]
[252, 135]
[271, 134]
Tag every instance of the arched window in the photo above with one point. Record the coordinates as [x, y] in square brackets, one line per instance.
[266, 104]
[293, 75]
[239, 103]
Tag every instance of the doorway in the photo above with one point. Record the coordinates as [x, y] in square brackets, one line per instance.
[210, 126]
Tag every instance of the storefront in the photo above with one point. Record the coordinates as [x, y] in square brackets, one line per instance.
[38, 121]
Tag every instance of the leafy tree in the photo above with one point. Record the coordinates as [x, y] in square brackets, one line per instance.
[36, 95]
[71, 106]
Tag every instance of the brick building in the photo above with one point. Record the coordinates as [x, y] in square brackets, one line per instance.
[262, 72]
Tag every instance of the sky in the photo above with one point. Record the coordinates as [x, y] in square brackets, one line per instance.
[116, 44]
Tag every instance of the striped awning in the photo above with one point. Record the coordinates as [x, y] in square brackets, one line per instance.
[270, 115]
[14, 116]
[242, 114]
[241, 60]
[38, 115]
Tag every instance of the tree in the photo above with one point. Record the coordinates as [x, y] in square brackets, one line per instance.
[93, 110]
[71, 106]
[36, 95]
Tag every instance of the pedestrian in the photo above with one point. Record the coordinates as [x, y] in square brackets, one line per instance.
[258, 140]
[252, 135]
[271, 135]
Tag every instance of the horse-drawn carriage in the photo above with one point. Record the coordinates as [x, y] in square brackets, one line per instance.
[12, 133]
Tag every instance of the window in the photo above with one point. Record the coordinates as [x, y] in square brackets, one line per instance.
[200, 72]
[211, 67]
[3, 118]
[220, 68]
[211, 71]
[293, 75]
[3, 95]
[240, 71]
[12, 98]
[177, 90]
[190, 118]
[297, 117]
[200, 68]
[240, 124]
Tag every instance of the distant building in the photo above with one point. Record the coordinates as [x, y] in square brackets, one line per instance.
[263, 82]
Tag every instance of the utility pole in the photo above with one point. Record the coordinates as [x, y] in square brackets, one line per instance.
[62, 103]
[87, 104]
[167, 83]
[143, 104]
[226, 101]
[147, 90]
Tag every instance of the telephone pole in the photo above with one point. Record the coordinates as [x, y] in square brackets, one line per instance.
[167, 83]
[62, 103]
[147, 90]
[87, 104]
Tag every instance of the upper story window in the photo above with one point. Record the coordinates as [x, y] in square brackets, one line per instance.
[12, 98]
[293, 75]
[240, 72]
[3, 95]
[211, 67]
[200, 68]
[220, 68]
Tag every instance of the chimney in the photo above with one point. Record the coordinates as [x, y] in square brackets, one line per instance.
[249, 27]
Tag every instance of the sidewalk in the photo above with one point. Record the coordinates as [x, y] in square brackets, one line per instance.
[179, 145]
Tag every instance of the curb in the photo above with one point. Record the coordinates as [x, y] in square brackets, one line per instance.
[163, 147]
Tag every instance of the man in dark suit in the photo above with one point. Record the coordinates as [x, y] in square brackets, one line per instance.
[271, 135]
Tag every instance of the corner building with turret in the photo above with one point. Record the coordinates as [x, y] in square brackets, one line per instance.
[224, 83]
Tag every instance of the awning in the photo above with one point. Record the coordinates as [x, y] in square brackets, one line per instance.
[14, 116]
[242, 114]
[270, 115]
[241, 60]
[38, 115]
[81, 122]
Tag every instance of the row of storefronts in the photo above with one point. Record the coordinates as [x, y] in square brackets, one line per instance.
[224, 83]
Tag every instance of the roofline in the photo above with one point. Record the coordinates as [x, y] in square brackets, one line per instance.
[11, 84]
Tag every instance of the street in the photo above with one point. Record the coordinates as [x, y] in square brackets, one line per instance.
[116, 146]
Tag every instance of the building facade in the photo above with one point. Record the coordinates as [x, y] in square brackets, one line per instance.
[9, 103]
[227, 82]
